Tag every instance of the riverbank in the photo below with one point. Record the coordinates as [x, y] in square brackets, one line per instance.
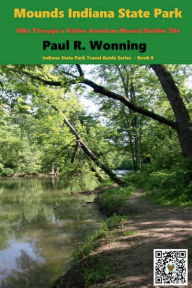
[43, 221]
[40, 175]
[120, 253]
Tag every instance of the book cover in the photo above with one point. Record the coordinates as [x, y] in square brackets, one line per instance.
[95, 144]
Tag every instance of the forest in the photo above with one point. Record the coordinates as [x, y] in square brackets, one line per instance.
[141, 121]
[71, 120]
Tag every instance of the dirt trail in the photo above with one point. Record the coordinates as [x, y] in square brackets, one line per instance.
[156, 227]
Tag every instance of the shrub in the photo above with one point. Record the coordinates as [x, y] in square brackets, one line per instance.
[114, 199]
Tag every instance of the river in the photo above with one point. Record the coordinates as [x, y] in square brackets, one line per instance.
[42, 222]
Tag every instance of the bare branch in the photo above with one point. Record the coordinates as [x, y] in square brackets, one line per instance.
[80, 70]
[101, 90]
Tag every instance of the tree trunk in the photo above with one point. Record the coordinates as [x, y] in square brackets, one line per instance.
[92, 156]
[132, 150]
[52, 170]
[136, 143]
[96, 174]
[103, 91]
[135, 131]
[137, 153]
[183, 122]
[75, 151]
[87, 151]
[182, 125]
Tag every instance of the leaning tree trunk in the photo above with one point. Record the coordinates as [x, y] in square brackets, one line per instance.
[183, 122]
[96, 174]
[86, 149]
[91, 155]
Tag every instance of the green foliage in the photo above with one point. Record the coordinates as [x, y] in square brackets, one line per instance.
[105, 183]
[100, 271]
[92, 243]
[34, 138]
[166, 186]
[17, 155]
[129, 233]
[114, 199]
[6, 171]
[115, 220]
[126, 164]
[104, 232]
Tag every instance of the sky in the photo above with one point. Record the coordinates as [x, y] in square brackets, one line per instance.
[90, 106]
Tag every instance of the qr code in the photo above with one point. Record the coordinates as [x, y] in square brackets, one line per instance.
[170, 267]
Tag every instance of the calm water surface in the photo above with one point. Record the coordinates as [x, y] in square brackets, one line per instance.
[42, 222]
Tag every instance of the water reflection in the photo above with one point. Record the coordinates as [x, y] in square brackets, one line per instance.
[29, 273]
[11, 256]
[41, 223]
